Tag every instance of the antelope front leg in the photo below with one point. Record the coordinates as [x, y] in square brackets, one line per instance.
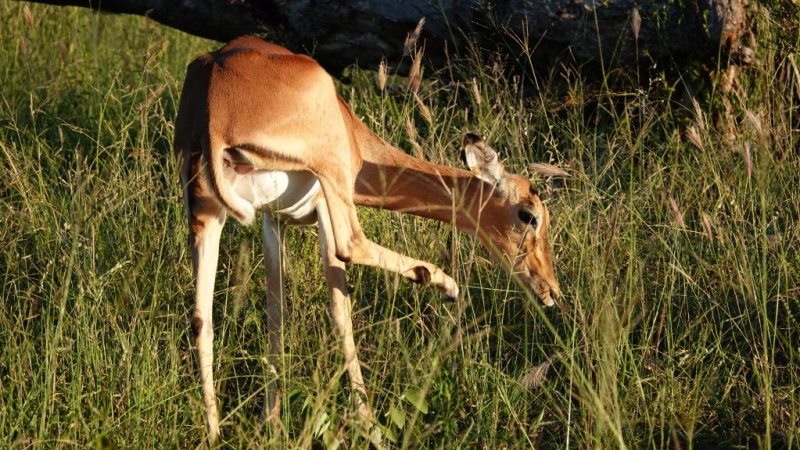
[205, 232]
[276, 306]
[352, 246]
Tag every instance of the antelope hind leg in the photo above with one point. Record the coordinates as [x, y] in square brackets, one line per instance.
[340, 311]
[276, 307]
[205, 237]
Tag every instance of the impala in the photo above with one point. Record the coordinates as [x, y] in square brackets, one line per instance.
[262, 129]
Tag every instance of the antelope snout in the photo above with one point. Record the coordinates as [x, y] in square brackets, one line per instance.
[548, 293]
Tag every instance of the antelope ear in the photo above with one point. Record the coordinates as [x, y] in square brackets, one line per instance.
[482, 160]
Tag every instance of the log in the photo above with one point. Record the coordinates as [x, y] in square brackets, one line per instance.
[544, 32]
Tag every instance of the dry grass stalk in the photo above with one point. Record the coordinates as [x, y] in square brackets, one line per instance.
[547, 170]
[154, 95]
[412, 135]
[748, 164]
[636, 23]
[410, 48]
[725, 122]
[383, 74]
[535, 377]
[424, 110]
[694, 137]
[676, 213]
[26, 12]
[414, 77]
[707, 225]
[62, 51]
[476, 91]
[754, 122]
[411, 40]
[699, 116]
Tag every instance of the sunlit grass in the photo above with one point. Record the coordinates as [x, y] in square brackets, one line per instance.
[679, 328]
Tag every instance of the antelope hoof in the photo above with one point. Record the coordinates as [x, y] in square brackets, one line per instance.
[449, 288]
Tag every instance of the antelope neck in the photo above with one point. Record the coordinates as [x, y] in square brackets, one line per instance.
[393, 180]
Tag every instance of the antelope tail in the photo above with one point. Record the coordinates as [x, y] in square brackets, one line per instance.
[239, 208]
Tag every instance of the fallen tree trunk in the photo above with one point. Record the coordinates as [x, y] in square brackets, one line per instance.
[337, 34]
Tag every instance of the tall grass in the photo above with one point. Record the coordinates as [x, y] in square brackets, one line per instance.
[676, 245]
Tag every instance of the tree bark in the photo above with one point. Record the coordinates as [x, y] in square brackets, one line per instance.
[340, 33]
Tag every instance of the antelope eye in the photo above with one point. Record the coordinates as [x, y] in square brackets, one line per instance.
[526, 217]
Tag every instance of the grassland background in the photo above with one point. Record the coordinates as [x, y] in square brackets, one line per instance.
[668, 337]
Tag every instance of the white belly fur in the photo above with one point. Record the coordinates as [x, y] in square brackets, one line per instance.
[289, 194]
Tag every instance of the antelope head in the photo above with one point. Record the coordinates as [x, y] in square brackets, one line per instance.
[513, 221]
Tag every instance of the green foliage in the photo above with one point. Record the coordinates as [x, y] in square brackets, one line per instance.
[679, 327]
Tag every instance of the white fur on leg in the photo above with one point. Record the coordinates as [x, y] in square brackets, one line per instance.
[205, 255]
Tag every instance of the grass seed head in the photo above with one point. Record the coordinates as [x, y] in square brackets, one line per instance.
[699, 116]
[424, 110]
[693, 135]
[476, 91]
[382, 74]
[707, 225]
[754, 122]
[636, 23]
[414, 77]
[26, 12]
[676, 213]
[411, 40]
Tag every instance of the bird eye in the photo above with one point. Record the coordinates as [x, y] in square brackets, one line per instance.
[526, 217]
